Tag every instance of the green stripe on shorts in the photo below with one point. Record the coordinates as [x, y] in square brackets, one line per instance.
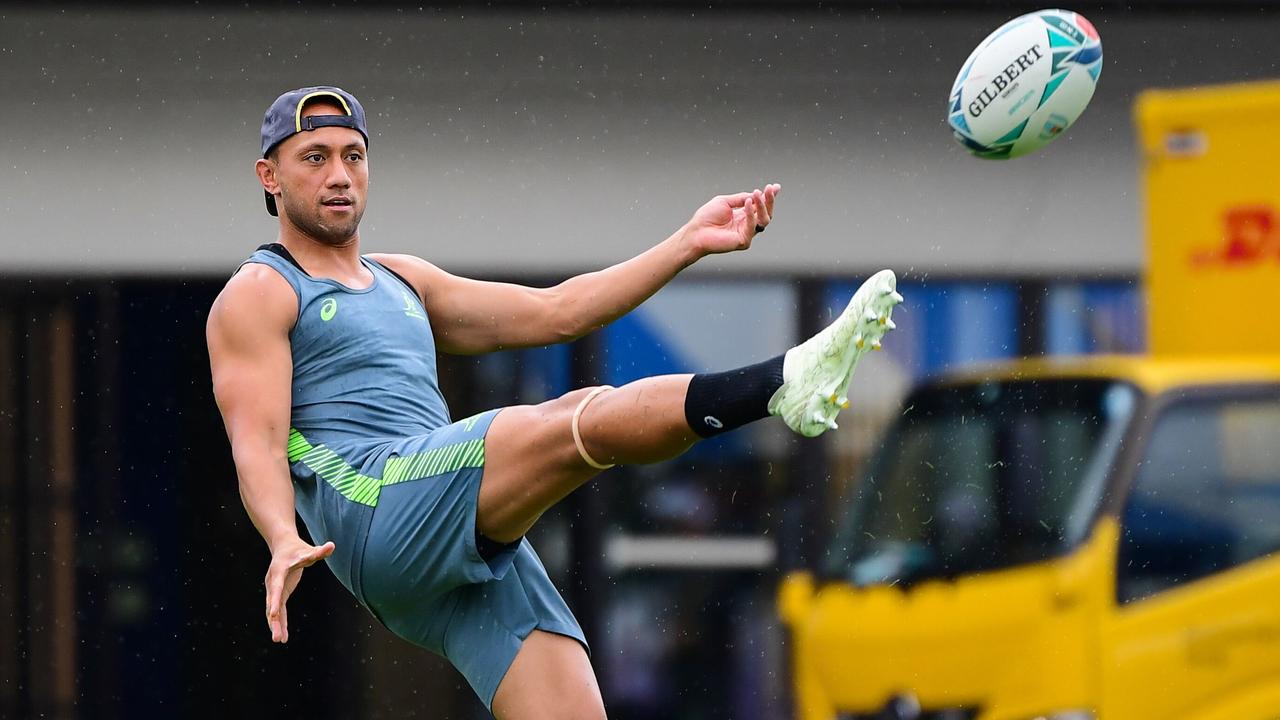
[365, 490]
[436, 461]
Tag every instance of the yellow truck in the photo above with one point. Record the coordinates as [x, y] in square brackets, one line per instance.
[1094, 537]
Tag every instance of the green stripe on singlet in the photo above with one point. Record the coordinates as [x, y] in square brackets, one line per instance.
[359, 488]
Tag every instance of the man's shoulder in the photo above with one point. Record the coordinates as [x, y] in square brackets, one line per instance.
[257, 291]
[260, 280]
[398, 261]
[413, 270]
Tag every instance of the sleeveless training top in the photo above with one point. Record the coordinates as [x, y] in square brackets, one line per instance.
[364, 377]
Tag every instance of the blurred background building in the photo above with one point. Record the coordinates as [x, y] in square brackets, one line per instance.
[522, 142]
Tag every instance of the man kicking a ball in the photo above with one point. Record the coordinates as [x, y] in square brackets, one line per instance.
[324, 369]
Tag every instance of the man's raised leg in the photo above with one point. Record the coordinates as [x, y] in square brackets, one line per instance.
[535, 456]
[532, 462]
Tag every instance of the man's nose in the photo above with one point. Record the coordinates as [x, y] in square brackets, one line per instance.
[338, 176]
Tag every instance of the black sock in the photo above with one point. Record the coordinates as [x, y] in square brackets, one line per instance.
[719, 402]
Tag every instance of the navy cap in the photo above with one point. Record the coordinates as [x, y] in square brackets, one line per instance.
[284, 119]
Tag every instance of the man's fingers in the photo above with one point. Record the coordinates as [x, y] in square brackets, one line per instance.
[762, 208]
[273, 622]
[739, 200]
[275, 593]
[279, 626]
[314, 555]
[755, 211]
[735, 200]
[277, 608]
[282, 579]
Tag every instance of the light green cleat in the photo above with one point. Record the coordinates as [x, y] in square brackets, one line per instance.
[816, 373]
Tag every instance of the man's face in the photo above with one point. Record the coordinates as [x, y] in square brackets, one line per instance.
[323, 179]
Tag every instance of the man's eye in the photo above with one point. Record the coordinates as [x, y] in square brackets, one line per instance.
[314, 157]
[355, 157]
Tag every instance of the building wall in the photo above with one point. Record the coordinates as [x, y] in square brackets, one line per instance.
[510, 141]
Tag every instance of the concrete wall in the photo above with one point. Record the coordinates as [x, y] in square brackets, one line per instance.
[544, 141]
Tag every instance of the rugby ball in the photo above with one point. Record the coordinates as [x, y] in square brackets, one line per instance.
[1025, 84]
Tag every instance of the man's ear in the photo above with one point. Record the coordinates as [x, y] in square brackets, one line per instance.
[266, 169]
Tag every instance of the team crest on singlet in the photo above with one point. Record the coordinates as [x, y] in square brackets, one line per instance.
[411, 308]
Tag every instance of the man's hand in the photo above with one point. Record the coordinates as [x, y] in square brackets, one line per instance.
[729, 222]
[287, 563]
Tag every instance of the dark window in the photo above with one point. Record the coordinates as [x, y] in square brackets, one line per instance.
[979, 477]
[1206, 497]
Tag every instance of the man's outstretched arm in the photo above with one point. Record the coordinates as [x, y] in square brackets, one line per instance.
[249, 356]
[472, 316]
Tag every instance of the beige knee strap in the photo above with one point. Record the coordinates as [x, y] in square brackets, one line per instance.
[577, 436]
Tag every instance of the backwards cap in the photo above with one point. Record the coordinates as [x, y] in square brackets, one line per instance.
[284, 119]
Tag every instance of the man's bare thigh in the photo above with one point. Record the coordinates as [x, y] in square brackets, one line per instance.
[531, 463]
[550, 679]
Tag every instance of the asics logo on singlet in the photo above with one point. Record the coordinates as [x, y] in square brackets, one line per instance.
[328, 309]
[410, 308]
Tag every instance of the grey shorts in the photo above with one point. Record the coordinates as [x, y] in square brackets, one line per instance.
[423, 575]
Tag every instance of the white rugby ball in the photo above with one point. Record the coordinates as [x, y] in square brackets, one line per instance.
[1025, 84]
